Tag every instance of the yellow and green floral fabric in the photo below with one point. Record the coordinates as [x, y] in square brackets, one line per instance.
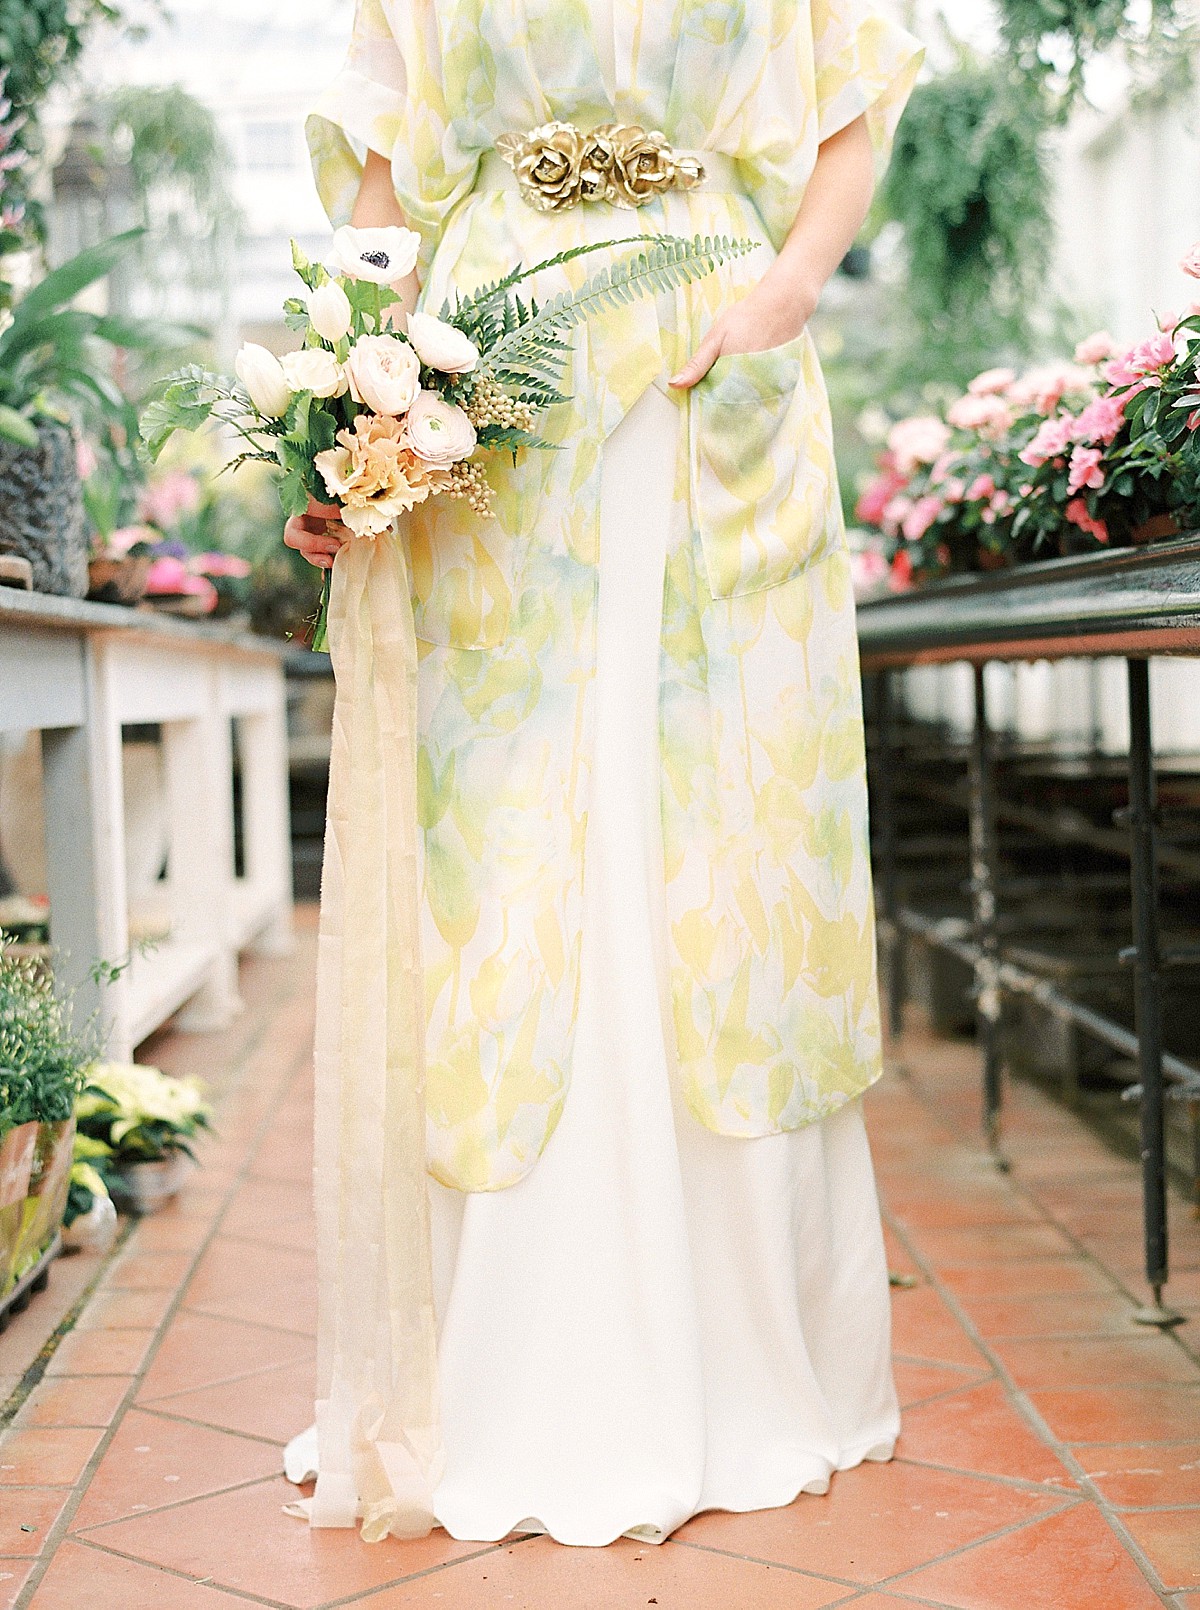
[763, 779]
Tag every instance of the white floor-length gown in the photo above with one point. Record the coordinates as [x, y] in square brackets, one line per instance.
[656, 1319]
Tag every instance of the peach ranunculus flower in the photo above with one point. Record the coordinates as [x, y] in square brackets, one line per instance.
[374, 474]
[991, 380]
[384, 372]
[1095, 348]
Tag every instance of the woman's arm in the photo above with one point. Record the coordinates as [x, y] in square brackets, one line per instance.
[781, 304]
[318, 534]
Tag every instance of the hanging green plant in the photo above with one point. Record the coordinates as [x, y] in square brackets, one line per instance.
[970, 185]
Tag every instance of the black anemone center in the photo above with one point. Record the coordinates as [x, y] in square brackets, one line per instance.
[376, 259]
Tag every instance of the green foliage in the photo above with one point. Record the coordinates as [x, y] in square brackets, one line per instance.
[40, 40]
[42, 1058]
[55, 358]
[970, 185]
[1055, 39]
[178, 165]
[522, 343]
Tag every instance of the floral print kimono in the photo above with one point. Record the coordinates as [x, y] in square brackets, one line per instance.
[763, 776]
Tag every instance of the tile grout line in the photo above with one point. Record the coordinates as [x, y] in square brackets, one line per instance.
[1027, 1192]
[1025, 1408]
[59, 1530]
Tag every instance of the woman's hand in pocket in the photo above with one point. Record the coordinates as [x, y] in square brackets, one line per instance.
[317, 533]
[774, 312]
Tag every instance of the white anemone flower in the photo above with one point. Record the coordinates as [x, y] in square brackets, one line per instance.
[383, 256]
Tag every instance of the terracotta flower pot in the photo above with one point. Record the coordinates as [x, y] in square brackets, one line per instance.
[118, 581]
[1156, 528]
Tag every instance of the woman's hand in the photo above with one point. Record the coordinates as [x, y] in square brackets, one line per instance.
[835, 203]
[775, 311]
[317, 533]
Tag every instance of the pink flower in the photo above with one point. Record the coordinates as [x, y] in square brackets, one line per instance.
[1190, 261]
[164, 501]
[124, 537]
[1095, 348]
[172, 576]
[1193, 419]
[991, 380]
[987, 414]
[1118, 371]
[1044, 388]
[219, 564]
[917, 440]
[983, 486]
[1076, 512]
[877, 494]
[894, 513]
[953, 489]
[868, 568]
[1052, 438]
[1152, 354]
[921, 516]
[1001, 501]
[1100, 420]
[1084, 469]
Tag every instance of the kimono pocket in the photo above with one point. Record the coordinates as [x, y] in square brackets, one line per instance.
[761, 467]
[463, 573]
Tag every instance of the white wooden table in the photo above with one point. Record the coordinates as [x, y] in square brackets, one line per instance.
[80, 673]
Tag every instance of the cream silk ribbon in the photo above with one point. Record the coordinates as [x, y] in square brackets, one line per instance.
[378, 1438]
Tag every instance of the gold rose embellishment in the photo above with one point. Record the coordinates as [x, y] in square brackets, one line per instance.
[548, 163]
[557, 166]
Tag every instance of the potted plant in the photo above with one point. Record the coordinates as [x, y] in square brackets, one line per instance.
[90, 1217]
[42, 1067]
[54, 367]
[147, 1120]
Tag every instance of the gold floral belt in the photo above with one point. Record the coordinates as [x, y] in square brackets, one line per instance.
[559, 166]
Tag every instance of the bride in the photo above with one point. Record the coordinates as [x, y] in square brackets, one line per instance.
[655, 1274]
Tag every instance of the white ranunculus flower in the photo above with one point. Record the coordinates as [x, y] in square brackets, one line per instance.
[329, 311]
[262, 375]
[384, 373]
[439, 432]
[384, 256]
[441, 345]
[313, 369]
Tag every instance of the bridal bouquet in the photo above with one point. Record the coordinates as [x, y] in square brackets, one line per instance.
[377, 411]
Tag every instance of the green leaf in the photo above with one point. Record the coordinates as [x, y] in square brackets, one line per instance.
[16, 428]
[63, 284]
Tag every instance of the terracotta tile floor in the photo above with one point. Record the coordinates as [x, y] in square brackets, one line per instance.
[1050, 1458]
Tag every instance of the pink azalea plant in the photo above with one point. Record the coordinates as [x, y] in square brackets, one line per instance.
[1061, 459]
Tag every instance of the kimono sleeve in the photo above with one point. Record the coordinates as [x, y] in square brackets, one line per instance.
[361, 110]
[864, 62]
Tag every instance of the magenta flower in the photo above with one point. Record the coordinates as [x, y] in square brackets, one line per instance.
[220, 564]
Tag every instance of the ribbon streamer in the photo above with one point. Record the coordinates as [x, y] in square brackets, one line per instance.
[379, 1443]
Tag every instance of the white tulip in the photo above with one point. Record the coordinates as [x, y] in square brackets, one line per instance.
[262, 375]
[439, 432]
[384, 373]
[442, 346]
[329, 311]
[383, 256]
[313, 369]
